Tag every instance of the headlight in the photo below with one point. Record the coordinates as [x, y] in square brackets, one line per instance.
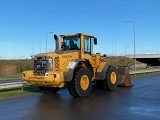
[46, 74]
[50, 63]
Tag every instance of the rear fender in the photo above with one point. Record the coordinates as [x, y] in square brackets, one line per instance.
[102, 75]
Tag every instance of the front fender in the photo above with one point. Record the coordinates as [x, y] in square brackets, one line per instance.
[71, 66]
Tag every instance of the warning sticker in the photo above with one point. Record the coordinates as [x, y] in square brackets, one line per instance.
[71, 65]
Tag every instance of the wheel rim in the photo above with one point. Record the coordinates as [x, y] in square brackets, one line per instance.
[113, 77]
[84, 83]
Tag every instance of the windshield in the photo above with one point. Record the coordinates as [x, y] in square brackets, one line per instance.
[71, 43]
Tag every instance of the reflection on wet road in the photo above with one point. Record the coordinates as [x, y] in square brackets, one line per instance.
[139, 102]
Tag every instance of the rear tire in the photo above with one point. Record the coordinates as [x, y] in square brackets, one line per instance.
[111, 80]
[81, 83]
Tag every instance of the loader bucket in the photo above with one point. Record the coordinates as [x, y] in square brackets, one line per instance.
[124, 78]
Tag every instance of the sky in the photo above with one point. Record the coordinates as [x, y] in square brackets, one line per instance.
[25, 23]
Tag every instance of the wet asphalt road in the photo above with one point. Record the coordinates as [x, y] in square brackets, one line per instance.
[141, 102]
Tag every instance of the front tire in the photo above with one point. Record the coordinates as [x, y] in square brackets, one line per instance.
[81, 83]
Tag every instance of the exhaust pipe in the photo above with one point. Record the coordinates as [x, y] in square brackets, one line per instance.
[56, 42]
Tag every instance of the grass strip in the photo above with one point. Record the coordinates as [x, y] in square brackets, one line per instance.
[10, 77]
[10, 93]
[144, 74]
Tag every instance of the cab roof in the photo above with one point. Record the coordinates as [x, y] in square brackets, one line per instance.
[67, 35]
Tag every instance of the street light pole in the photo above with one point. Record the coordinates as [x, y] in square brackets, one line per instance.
[32, 47]
[40, 48]
[134, 46]
[125, 54]
[46, 39]
[115, 45]
[112, 47]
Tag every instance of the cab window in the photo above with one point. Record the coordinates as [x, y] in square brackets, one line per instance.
[71, 43]
[87, 44]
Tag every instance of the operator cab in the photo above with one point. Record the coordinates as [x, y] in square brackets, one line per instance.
[78, 41]
[70, 43]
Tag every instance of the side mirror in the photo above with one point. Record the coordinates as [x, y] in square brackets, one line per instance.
[95, 41]
[56, 37]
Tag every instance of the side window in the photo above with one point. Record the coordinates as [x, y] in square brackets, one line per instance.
[87, 44]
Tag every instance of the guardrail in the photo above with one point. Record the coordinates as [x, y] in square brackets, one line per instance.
[11, 85]
[150, 70]
[22, 84]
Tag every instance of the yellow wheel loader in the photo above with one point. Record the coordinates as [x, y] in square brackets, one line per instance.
[74, 65]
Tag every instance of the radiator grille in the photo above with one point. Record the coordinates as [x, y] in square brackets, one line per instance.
[42, 65]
